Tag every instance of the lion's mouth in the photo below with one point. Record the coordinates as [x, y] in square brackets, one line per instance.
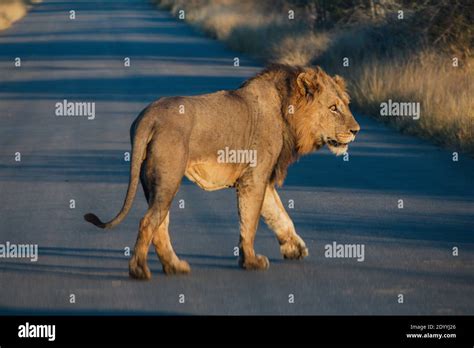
[335, 143]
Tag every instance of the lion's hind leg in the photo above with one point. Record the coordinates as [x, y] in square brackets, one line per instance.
[161, 178]
[164, 250]
[138, 268]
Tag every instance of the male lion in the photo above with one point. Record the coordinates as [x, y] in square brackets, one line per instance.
[280, 114]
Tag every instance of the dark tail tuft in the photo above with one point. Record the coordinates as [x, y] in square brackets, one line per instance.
[93, 219]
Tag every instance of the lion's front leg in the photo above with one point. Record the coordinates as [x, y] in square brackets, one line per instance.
[276, 217]
[250, 198]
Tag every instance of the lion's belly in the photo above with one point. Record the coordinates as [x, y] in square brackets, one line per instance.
[212, 176]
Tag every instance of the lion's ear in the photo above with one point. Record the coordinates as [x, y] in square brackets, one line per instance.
[308, 84]
[340, 82]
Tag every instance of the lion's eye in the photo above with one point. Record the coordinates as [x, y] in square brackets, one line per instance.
[333, 108]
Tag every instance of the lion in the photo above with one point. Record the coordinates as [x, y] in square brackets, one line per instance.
[280, 114]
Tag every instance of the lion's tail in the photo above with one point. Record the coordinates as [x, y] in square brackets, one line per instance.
[140, 142]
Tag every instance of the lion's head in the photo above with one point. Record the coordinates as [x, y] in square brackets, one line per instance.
[314, 108]
[322, 115]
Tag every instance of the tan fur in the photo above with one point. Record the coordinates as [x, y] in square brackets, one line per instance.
[279, 115]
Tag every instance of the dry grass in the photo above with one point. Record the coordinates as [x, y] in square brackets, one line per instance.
[246, 27]
[445, 93]
[390, 69]
[13, 10]
[383, 66]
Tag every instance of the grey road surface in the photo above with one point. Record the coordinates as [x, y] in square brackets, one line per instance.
[408, 251]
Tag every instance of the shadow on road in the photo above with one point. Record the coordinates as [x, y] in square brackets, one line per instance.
[102, 256]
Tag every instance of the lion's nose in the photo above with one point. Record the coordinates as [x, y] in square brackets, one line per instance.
[355, 130]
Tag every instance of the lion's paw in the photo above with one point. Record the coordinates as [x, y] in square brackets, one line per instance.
[259, 262]
[138, 270]
[179, 267]
[294, 248]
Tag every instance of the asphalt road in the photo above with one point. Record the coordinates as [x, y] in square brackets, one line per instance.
[407, 251]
